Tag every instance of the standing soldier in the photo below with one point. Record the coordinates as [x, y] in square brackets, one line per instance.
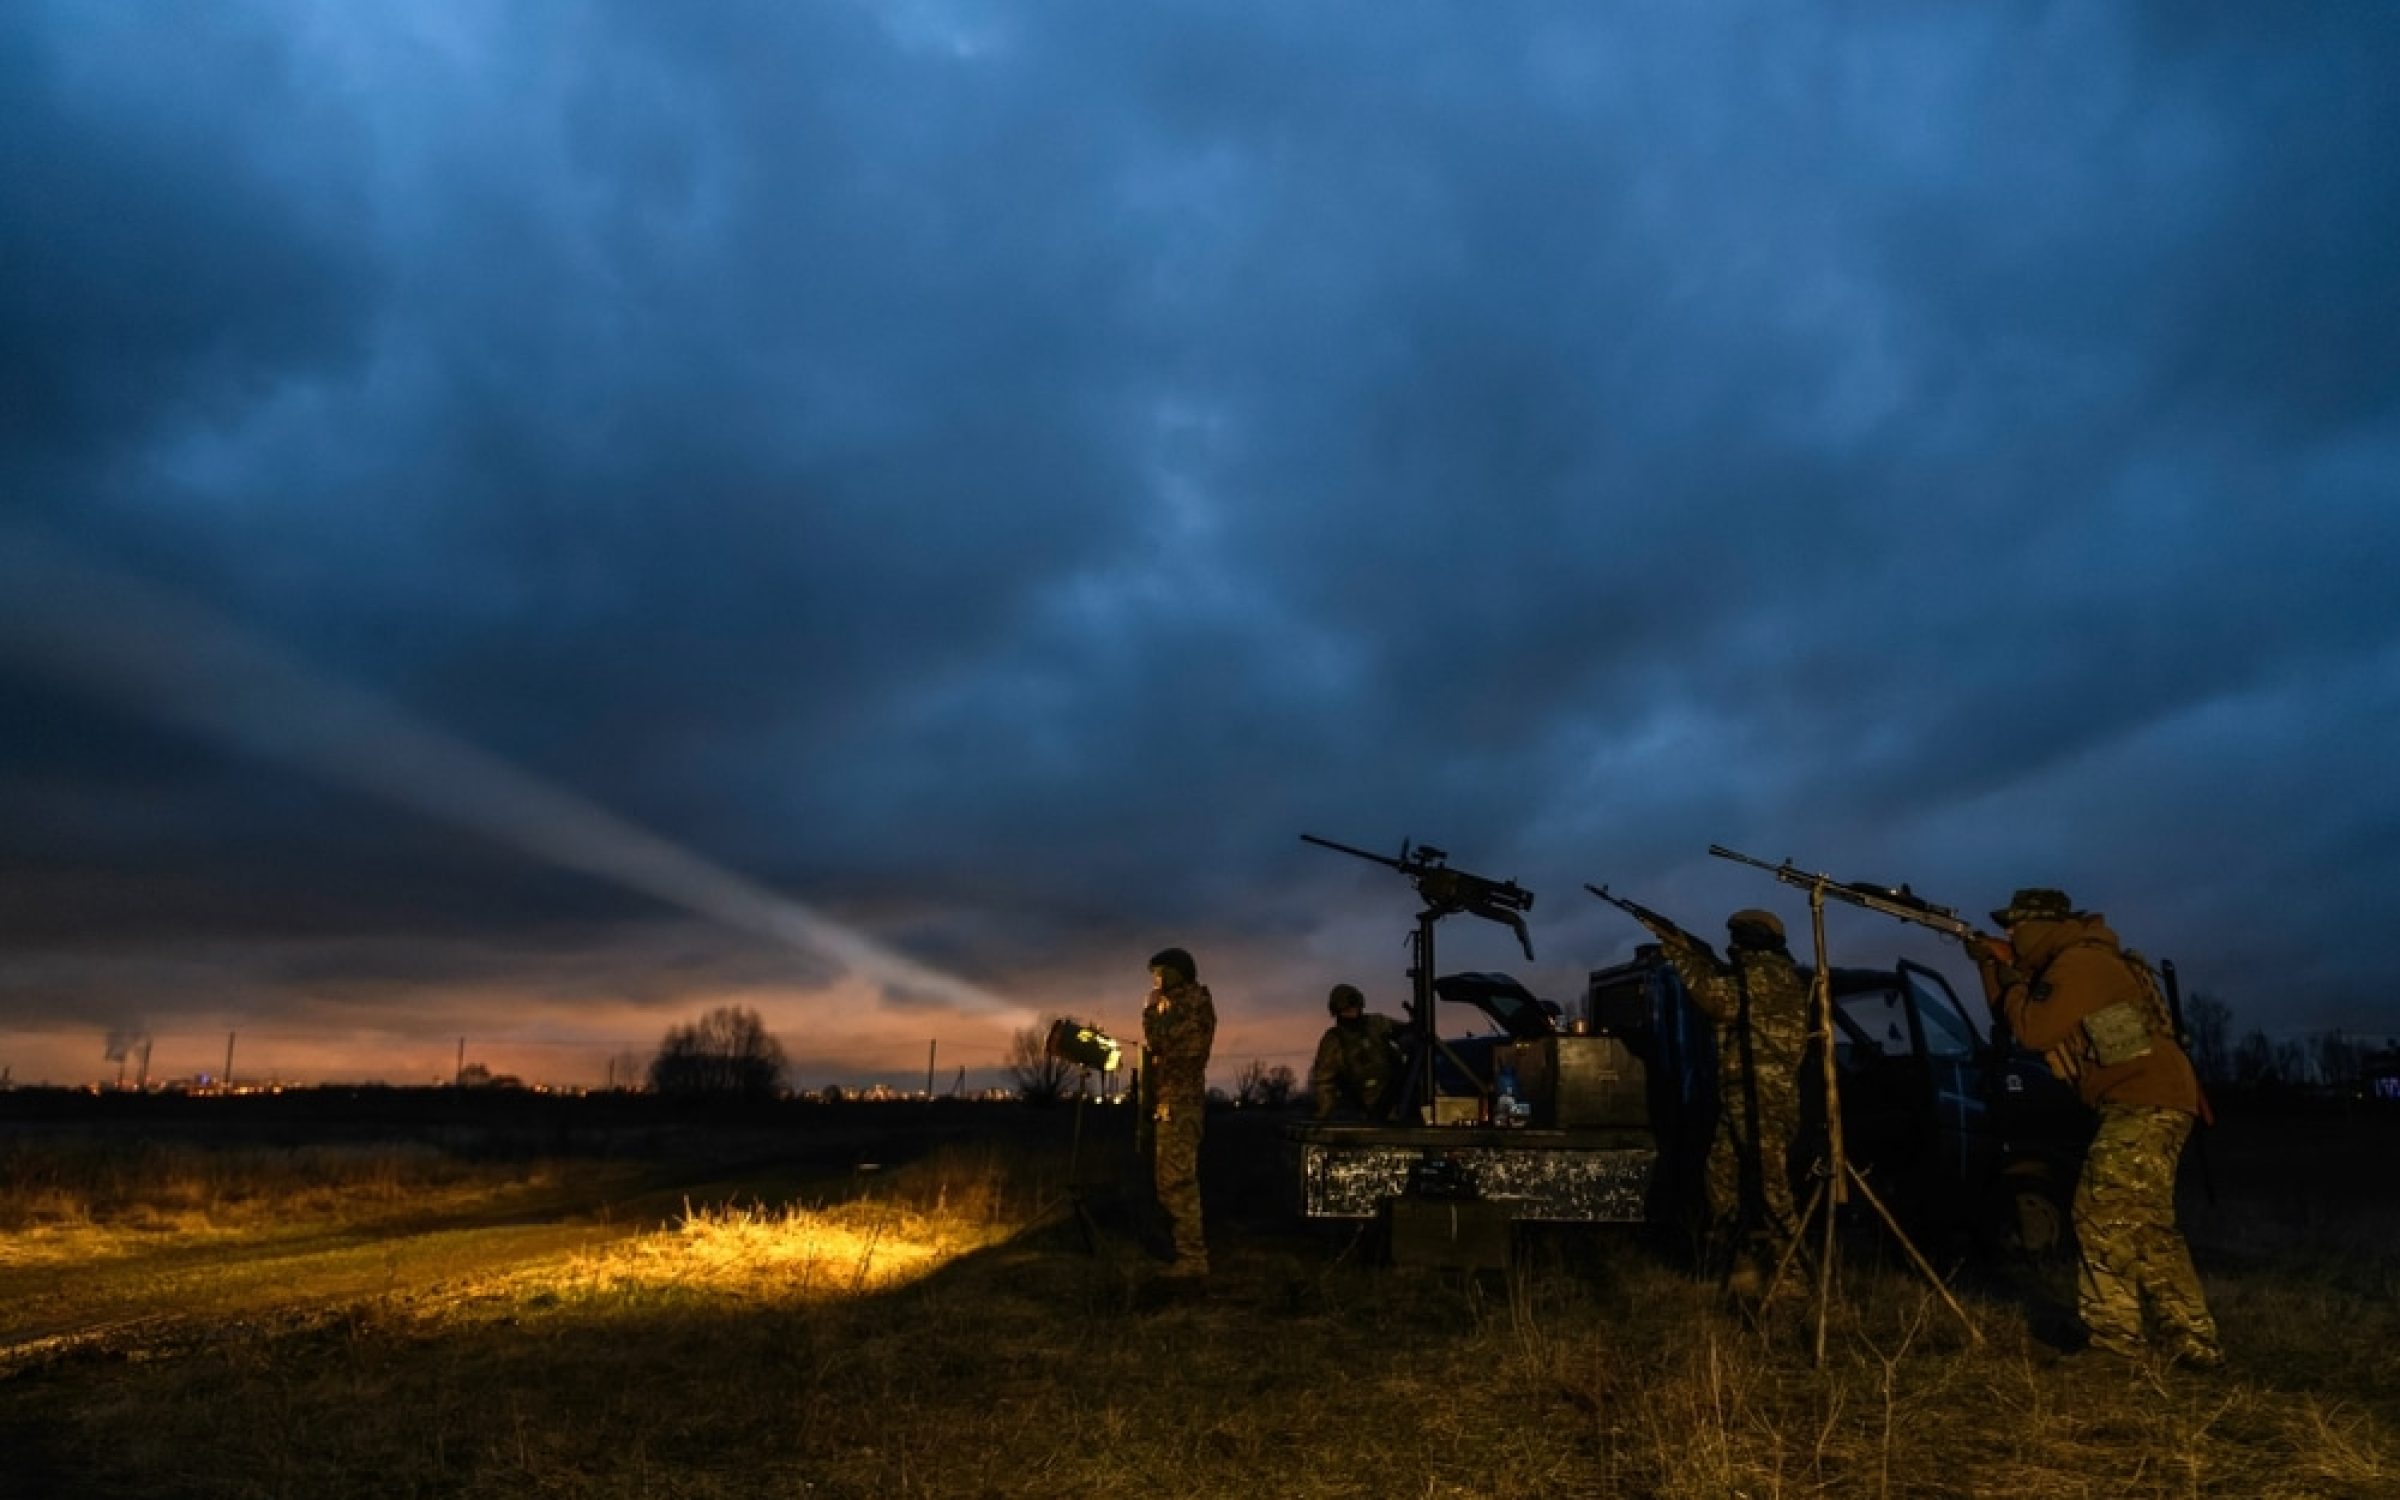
[1358, 1058]
[1759, 1003]
[1178, 1024]
[2069, 991]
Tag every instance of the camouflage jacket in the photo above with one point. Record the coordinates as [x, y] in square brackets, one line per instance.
[2071, 976]
[1760, 993]
[1356, 1060]
[1178, 1026]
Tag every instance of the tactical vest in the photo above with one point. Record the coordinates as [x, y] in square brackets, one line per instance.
[2118, 1032]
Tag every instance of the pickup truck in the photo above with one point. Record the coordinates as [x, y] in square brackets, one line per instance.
[1964, 1137]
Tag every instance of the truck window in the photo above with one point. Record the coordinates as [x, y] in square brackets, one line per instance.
[1876, 1018]
[1947, 1033]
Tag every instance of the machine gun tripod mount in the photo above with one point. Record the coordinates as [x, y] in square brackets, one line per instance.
[1445, 892]
[1835, 1174]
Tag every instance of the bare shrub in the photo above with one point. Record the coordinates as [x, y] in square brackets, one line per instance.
[1039, 1077]
[1258, 1086]
[726, 1054]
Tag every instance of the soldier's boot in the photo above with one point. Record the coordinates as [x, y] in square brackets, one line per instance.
[2194, 1349]
[1794, 1287]
[1753, 1265]
[1188, 1255]
[1746, 1280]
[2114, 1342]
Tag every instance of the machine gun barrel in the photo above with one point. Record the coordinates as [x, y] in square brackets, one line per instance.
[1892, 901]
[1400, 864]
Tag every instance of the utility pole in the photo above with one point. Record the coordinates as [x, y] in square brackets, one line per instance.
[458, 1076]
[225, 1084]
[929, 1046]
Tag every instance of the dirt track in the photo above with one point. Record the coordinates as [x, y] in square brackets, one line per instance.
[183, 1292]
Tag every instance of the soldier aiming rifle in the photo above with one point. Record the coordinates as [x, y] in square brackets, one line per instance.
[2063, 985]
[1758, 1005]
[2098, 1014]
[1893, 901]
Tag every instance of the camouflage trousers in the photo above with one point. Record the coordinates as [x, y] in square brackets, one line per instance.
[2130, 1256]
[1749, 1177]
[1175, 1169]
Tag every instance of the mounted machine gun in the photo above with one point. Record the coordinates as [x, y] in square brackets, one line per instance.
[1445, 892]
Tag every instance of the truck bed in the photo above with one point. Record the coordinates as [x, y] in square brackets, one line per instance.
[1588, 1175]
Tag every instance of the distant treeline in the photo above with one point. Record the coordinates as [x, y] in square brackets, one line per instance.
[2333, 1063]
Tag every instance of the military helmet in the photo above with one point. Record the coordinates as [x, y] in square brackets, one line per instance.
[2034, 904]
[1343, 997]
[1753, 928]
[1176, 961]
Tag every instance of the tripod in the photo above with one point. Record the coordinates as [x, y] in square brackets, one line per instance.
[1834, 1173]
[1076, 1202]
[1087, 1047]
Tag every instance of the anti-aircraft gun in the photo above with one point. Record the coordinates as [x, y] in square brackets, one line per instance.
[1445, 892]
[1448, 1168]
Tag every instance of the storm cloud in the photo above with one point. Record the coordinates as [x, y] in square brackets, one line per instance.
[996, 473]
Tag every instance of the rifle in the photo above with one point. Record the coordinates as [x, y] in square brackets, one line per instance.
[1446, 890]
[2174, 991]
[1660, 927]
[1892, 900]
[1991, 954]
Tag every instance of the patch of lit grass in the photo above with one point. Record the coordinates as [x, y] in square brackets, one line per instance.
[779, 1255]
[888, 1232]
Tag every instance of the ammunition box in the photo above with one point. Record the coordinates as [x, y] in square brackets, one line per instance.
[1576, 1081]
[1448, 1111]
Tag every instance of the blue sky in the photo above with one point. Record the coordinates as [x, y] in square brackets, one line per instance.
[993, 475]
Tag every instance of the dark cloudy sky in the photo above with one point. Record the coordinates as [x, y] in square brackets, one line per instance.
[525, 521]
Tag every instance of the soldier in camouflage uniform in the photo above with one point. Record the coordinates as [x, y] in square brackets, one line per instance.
[1358, 1058]
[2070, 992]
[1179, 1022]
[1759, 1003]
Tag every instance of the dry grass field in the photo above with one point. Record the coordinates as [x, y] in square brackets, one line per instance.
[404, 1322]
